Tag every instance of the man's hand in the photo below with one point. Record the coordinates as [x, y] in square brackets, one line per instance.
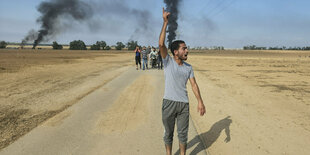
[201, 108]
[162, 47]
[165, 15]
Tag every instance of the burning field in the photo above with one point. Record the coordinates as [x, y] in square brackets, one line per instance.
[257, 101]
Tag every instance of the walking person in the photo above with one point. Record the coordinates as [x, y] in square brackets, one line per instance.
[149, 49]
[138, 57]
[144, 58]
[159, 61]
[153, 56]
[175, 105]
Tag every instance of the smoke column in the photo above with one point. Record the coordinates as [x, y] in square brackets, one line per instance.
[32, 35]
[120, 10]
[172, 7]
[57, 9]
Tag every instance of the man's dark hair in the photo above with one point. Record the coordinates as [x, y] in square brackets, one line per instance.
[175, 45]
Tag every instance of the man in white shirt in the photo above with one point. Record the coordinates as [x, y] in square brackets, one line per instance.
[175, 101]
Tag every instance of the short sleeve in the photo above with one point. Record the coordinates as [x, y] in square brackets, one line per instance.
[191, 74]
[166, 60]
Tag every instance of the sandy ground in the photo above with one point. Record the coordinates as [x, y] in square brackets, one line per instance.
[257, 101]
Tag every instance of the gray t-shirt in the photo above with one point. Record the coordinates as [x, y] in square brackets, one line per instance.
[176, 78]
[144, 54]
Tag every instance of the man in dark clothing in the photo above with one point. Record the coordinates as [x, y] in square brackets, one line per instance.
[159, 61]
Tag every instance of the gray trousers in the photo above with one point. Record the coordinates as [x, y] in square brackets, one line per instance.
[175, 111]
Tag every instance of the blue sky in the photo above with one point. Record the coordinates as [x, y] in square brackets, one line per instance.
[228, 23]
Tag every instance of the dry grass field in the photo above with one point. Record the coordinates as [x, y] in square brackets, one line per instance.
[37, 84]
[258, 102]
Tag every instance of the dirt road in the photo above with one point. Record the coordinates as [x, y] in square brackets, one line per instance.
[257, 103]
[122, 117]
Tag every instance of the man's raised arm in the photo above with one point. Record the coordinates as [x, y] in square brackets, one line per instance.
[162, 37]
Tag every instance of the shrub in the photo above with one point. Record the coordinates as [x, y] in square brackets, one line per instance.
[119, 45]
[3, 44]
[56, 46]
[107, 48]
[77, 45]
[95, 47]
[102, 44]
[132, 45]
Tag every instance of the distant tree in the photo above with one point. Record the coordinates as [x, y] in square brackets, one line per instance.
[253, 47]
[306, 48]
[132, 45]
[56, 46]
[95, 47]
[248, 47]
[275, 48]
[119, 45]
[77, 45]
[216, 48]
[101, 44]
[107, 48]
[3, 44]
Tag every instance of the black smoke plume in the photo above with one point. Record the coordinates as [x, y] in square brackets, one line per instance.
[54, 11]
[139, 16]
[32, 35]
[172, 6]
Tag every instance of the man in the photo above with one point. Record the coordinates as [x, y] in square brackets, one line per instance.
[144, 58]
[175, 102]
[148, 52]
[159, 61]
[153, 56]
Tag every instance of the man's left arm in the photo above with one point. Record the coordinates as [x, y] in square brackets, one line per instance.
[201, 107]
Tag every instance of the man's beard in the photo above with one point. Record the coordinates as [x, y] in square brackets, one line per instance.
[182, 57]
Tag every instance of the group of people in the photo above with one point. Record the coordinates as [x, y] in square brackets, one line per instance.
[148, 55]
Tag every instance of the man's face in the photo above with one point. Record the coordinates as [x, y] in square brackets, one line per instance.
[182, 52]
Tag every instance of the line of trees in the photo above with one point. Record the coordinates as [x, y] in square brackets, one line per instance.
[207, 48]
[80, 45]
[102, 45]
[253, 47]
[131, 45]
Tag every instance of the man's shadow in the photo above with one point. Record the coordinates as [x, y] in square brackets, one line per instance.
[205, 140]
